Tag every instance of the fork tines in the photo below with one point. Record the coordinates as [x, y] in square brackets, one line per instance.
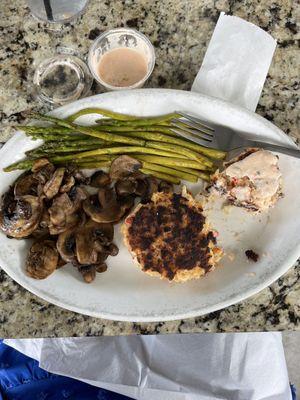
[189, 126]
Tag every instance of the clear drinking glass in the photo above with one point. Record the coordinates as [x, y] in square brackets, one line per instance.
[57, 11]
[120, 38]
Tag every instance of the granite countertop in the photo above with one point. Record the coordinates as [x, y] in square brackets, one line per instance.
[180, 31]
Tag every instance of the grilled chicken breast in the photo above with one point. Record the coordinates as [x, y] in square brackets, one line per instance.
[252, 181]
[170, 237]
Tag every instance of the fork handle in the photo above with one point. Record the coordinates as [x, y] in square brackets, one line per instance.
[279, 149]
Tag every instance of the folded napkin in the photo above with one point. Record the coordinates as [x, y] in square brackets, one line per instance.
[236, 62]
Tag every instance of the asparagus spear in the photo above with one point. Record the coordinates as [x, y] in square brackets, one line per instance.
[57, 132]
[60, 138]
[52, 151]
[171, 161]
[180, 150]
[140, 128]
[66, 159]
[109, 137]
[120, 150]
[122, 117]
[115, 122]
[24, 164]
[170, 171]
[159, 137]
[75, 144]
[42, 129]
[28, 162]
[203, 175]
[161, 175]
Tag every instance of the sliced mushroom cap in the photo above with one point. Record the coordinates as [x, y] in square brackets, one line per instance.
[67, 183]
[100, 179]
[71, 221]
[85, 251]
[66, 245]
[77, 194]
[104, 207]
[103, 233]
[19, 217]
[123, 166]
[43, 170]
[90, 241]
[63, 211]
[42, 259]
[27, 183]
[61, 207]
[66, 204]
[52, 187]
[126, 187]
[40, 164]
[135, 185]
[112, 213]
[106, 196]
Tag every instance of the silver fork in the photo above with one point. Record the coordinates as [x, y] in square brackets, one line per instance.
[221, 137]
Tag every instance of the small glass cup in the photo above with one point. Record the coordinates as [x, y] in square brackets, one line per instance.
[120, 38]
[57, 11]
[62, 79]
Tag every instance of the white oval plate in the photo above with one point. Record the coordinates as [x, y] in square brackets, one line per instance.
[124, 292]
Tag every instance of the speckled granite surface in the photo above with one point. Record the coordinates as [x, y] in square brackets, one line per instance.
[180, 31]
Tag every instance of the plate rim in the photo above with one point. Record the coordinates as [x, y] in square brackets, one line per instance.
[284, 267]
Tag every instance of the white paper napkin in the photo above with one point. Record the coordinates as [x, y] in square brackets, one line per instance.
[236, 62]
[171, 367]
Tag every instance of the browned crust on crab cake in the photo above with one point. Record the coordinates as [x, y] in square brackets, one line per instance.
[170, 238]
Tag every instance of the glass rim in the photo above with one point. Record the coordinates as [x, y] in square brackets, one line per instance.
[59, 21]
[119, 30]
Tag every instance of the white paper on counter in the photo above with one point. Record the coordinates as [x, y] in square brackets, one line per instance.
[171, 367]
[236, 62]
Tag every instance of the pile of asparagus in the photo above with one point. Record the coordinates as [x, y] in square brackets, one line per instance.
[150, 140]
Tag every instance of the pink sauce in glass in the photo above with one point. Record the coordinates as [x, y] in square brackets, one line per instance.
[122, 67]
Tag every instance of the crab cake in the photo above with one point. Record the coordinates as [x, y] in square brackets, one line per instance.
[170, 237]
